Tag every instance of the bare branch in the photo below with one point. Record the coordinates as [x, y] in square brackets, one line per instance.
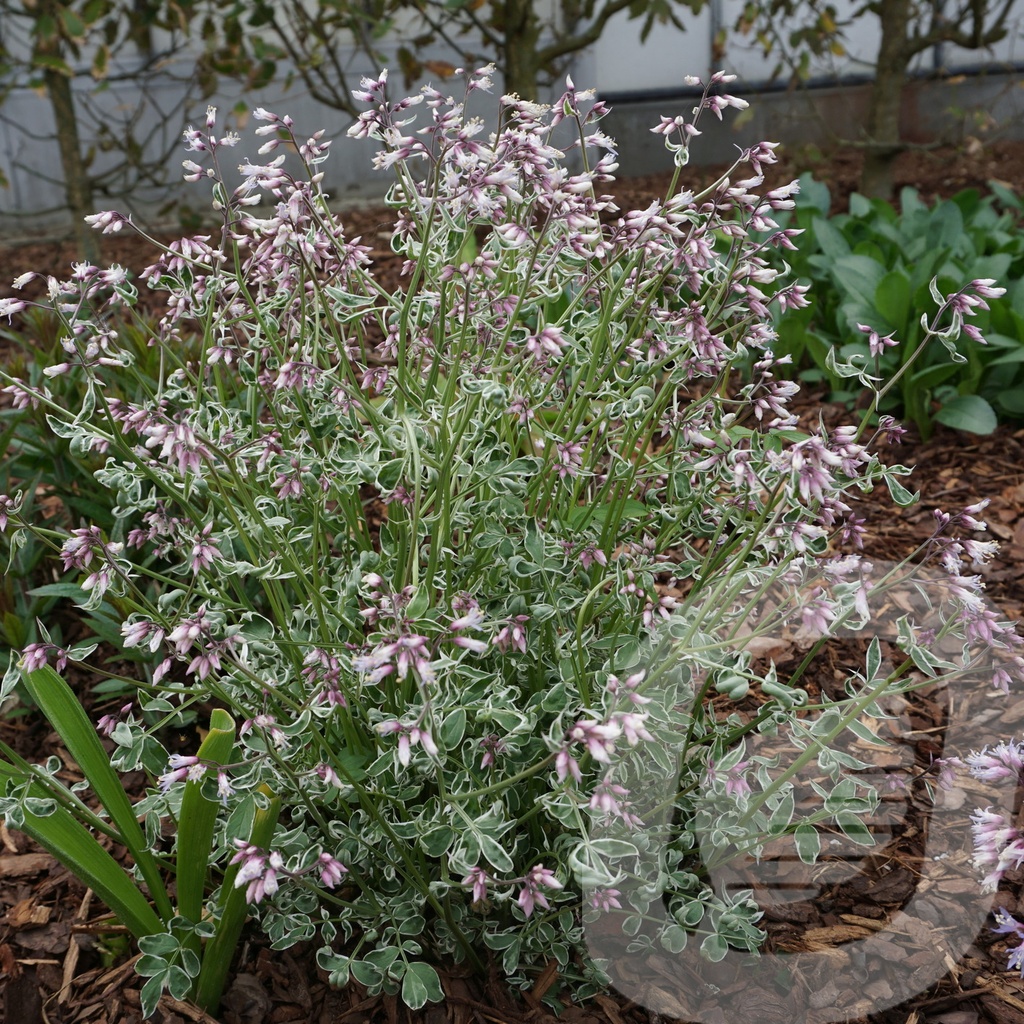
[571, 44]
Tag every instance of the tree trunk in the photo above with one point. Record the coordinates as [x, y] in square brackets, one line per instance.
[522, 34]
[78, 188]
[883, 122]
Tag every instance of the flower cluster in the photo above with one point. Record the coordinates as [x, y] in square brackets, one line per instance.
[260, 870]
[404, 535]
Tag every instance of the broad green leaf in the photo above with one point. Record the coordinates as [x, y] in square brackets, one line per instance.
[673, 938]
[72, 591]
[858, 276]
[220, 950]
[853, 827]
[830, 239]
[1012, 401]
[933, 376]
[453, 729]
[714, 948]
[437, 841]
[945, 227]
[628, 509]
[52, 63]
[814, 194]
[968, 412]
[1006, 195]
[420, 986]
[70, 843]
[782, 815]
[495, 853]
[196, 823]
[73, 24]
[900, 494]
[808, 842]
[873, 661]
[892, 299]
[910, 202]
[63, 711]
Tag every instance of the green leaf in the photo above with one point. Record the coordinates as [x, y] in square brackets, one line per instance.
[673, 938]
[453, 729]
[72, 591]
[900, 494]
[1012, 401]
[945, 227]
[853, 827]
[196, 823]
[73, 24]
[808, 842]
[73, 846]
[63, 711]
[814, 194]
[782, 815]
[858, 276]
[220, 949]
[495, 853]
[150, 995]
[892, 299]
[933, 376]
[628, 509]
[830, 239]
[101, 63]
[420, 986]
[968, 412]
[49, 62]
[437, 841]
[714, 948]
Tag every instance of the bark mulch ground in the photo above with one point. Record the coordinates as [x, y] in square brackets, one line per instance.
[60, 963]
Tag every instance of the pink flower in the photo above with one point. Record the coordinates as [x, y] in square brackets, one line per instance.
[331, 870]
[998, 846]
[204, 551]
[513, 634]
[599, 737]
[492, 746]
[267, 724]
[1005, 761]
[877, 344]
[257, 869]
[478, 879]
[8, 505]
[1009, 925]
[605, 900]
[109, 222]
[567, 766]
[408, 737]
[36, 656]
[530, 895]
[181, 768]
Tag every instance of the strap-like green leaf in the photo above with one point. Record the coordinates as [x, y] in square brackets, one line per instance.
[59, 704]
[197, 821]
[220, 949]
[69, 842]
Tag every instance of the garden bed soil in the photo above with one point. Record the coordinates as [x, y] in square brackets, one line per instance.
[61, 964]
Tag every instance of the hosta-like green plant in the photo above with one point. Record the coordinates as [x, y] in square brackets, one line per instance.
[871, 274]
[447, 553]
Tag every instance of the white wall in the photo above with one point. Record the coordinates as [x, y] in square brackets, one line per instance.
[617, 63]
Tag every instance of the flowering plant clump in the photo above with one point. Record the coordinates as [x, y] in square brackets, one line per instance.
[456, 558]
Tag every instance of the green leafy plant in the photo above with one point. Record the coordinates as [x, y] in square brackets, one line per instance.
[58, 486]
[466, 558]
[874, 268]
[171, 940]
